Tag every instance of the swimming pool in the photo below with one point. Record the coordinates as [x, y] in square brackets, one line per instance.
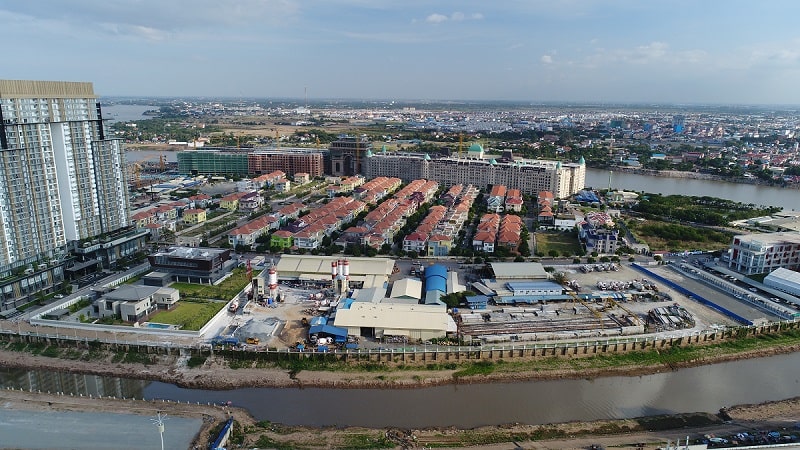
[161, 326]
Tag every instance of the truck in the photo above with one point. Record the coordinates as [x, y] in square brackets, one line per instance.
[226, 340]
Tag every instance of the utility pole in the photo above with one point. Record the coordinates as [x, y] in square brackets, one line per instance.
[159, 423]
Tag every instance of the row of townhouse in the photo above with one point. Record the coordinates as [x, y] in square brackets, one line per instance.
[345, 185]
[435, 234]
[545, 201]
[421, 191]
[375, 190]
[324, 221]
[495, 231]
[247, 202]
[383, 223]
[275, 180]
[191, 211]
[501, 199]
[249, 233]
[268, 180]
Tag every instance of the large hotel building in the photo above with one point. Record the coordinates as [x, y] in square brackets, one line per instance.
[62, 178]
[529, 176]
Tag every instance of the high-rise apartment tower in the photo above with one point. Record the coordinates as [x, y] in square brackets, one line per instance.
[62, 177]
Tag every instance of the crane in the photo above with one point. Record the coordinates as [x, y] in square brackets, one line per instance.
[135, 169]
[594, 312]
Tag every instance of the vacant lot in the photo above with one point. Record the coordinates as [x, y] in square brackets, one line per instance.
[565, 243]
[674, 237]
[226, 290]
[189, 315]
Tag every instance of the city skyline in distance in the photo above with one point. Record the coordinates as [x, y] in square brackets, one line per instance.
[714, 52]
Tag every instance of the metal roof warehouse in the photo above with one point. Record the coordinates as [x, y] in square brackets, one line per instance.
[519, 270]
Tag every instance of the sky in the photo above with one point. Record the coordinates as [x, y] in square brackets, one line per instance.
[637, 51]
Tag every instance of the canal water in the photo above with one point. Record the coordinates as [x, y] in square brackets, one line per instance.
[788, 199]
[706, 388]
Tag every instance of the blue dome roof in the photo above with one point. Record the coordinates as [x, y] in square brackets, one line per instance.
[475, 148]
[436, 278]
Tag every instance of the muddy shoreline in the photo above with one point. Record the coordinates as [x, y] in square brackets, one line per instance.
[214, 374]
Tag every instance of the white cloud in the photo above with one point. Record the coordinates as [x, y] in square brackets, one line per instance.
[547, 59]
[147, 33]
[436, 18]
[456, 16]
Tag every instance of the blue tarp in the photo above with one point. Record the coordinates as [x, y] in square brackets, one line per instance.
[339, 334]
[223, 435]
[586, 196]
[319, 320]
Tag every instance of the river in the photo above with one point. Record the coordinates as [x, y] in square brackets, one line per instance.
[706, 388]
[788, 199]
[124, 113]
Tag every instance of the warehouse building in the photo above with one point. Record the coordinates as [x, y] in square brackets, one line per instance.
[784, 280]
[309, 269]
[382, 320]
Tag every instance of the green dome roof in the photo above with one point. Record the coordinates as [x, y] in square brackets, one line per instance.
[475, 148]
[493, 162]
[427, 157]
[369, 153]
[582, 161]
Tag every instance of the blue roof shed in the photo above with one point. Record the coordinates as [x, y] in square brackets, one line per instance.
[436, 278]
[338, 334]
[477, 301]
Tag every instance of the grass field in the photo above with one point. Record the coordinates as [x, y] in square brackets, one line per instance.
[224, 291]
[675, 237]
[565, 243]
[189, 315]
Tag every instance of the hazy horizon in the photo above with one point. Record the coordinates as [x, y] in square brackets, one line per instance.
[723, 52]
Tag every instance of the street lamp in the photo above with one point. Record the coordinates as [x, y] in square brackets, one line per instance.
[159, 423]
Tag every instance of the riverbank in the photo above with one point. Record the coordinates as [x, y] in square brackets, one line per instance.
[699, 176]
[218, 373]
[645, 432]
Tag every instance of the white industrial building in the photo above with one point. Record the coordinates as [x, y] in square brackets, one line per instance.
[507, 271]
[407, 288]
[370, 272]
[379, 320]
[784, 280]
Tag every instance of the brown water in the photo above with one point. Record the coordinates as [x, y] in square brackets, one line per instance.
[746, 193]
[706, 388]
